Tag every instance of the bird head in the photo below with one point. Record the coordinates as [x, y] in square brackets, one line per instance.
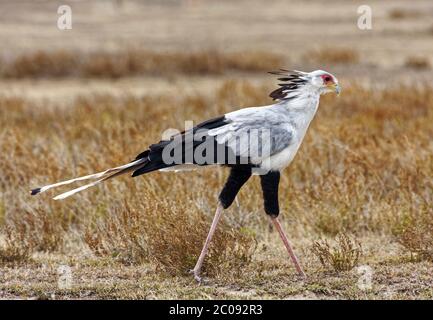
[295, 82]
[324, 81]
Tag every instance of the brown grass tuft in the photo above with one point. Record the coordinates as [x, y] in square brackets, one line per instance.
[169, 235]
[400, 13]
[415, 233]
[40, 64]
[131, 62]
[332, 56]
[418, 63]
[175, 244]
[11, 255]
[35, 230]
[14, 249]
[344, 255]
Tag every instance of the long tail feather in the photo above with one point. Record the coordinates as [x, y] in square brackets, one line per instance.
[101, 176]
[74, 191]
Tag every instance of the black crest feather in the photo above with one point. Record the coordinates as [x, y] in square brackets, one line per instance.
[291, 81]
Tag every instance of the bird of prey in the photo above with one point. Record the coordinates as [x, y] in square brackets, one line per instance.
[251, 141]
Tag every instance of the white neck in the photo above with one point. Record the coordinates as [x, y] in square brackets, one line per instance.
[304, 100]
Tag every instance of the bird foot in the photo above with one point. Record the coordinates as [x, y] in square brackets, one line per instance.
[196, 275]
[302, 275]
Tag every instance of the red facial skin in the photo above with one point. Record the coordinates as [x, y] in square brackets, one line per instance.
[327, 79]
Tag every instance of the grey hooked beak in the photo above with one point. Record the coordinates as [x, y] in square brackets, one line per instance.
[337, 89]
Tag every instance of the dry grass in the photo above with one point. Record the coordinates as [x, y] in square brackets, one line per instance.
[418, 63]
[332, 55]
[168, 237]
[343, 255]
[364, 167]
[400, 13]
[13, 252]
[415, 233]
[58, 64]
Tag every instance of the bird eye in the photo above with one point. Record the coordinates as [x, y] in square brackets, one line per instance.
[327, 78]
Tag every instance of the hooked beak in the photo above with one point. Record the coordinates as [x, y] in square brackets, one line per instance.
[337, 89]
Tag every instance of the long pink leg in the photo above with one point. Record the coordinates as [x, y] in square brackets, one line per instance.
[200, 260]
[286, 242]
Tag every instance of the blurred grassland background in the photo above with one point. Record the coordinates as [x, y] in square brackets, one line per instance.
[78, 101]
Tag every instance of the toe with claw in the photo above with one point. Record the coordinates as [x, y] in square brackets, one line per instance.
[196, 275]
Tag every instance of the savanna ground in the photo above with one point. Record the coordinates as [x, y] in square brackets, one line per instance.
[357, 200]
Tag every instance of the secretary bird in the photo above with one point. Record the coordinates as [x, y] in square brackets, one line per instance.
[250, 141]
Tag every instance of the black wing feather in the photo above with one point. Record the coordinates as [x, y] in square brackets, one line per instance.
[154, 153]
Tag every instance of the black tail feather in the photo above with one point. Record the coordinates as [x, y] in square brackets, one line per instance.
[35, 191]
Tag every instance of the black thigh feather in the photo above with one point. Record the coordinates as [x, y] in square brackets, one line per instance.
[238, 176]
[270, 184]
